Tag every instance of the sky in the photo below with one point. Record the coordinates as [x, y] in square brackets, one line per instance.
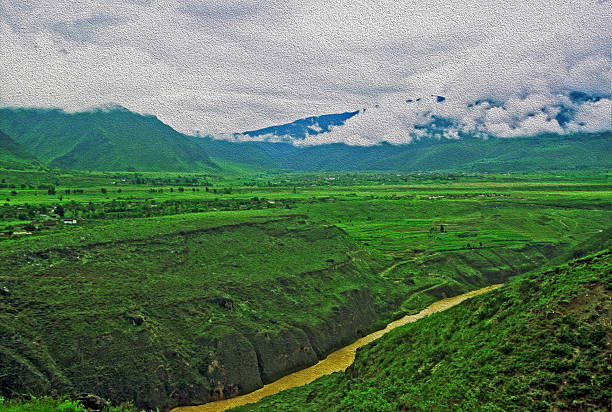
[219, 67]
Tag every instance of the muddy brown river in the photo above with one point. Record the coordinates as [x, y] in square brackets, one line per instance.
[335, 362]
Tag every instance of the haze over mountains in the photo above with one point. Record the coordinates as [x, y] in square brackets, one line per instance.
[113, 138]
[233, 66]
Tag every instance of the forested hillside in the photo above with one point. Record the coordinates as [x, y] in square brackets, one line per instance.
[13, 155]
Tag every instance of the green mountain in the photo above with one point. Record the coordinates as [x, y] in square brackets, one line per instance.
[544, 152]
[103, 140]
[13, 155]
[245, 153]
[542, 342]
[580, 151]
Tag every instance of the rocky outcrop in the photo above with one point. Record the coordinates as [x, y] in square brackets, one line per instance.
[282, 352]
[292, 347]
[233, 368]
[346, 323]
[91, 402]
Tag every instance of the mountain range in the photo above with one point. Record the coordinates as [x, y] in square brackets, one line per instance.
[116, 139]
[562, 114]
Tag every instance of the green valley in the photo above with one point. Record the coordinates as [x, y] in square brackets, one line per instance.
[167, 289]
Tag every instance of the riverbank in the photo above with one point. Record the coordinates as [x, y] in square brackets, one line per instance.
[540, 342]
[335, 362]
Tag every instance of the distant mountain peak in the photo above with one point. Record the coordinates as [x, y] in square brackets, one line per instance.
[301, 128]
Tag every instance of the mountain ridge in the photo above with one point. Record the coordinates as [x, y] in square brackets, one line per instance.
[112, 138]
[103, 139]
[301, 128]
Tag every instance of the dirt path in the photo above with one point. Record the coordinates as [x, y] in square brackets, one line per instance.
[335, 362]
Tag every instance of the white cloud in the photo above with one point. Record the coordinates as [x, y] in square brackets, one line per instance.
[593, 117]
[241, 65]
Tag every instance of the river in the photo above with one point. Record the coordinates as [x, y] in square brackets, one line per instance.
[334, 362]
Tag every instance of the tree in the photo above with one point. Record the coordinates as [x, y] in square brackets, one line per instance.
[103, 190]
[441, 228]
[59, 210]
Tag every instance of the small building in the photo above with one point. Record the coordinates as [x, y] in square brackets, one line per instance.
[70, 221]
[21, 233]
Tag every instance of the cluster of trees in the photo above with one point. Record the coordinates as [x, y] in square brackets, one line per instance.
[357, 179]
[139, 179]
[133, 208]
[127, 208]
[22, 212]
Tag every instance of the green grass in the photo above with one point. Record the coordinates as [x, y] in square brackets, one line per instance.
[49, 404]
[541, 342]
[238, 280]
[494, 226]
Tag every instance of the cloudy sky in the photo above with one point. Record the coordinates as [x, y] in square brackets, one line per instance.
[234, 65]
